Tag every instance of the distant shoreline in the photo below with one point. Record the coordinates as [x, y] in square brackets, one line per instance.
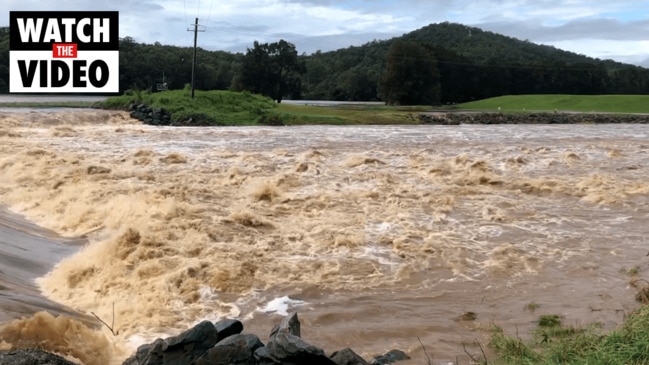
[322, 111]
[477, 117]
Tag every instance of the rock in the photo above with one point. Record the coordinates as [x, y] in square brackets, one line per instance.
[289, 325]
[287, 349]
[148, 115]
[455, 118]
[92, 170]
[236, 349]
[223, 343]
[148, 354]
[263, 357]
[200, 337]
[31, 357]
[347, 357]
[390, 357]
[466, 317]
[227, 328]
[182, 349]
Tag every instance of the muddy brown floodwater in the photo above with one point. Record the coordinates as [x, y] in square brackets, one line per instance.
[379, 236]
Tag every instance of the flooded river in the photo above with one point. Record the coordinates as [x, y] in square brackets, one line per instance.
[379, 236]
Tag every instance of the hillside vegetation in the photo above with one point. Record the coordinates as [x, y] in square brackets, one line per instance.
[473, 64]
[467, 64]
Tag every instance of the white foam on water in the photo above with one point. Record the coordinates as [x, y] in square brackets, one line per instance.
[281, 305]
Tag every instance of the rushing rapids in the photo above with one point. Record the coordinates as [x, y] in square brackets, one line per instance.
[385, 234]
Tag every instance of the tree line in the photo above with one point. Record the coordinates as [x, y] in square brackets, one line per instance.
[438, 64]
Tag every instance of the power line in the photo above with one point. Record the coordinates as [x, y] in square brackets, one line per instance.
[195, 30]
[185, 9]
[209, 13]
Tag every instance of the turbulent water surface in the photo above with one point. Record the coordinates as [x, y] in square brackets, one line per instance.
[379, 236]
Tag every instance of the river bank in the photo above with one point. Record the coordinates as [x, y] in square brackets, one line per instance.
[470, 117]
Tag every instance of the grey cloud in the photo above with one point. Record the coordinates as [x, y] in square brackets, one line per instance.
[644, 63]
[230, 28]
[609, 29]
[309, 45]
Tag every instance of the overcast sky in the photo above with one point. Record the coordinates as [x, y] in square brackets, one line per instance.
[615, 29]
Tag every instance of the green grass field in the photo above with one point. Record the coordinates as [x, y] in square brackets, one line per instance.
[348, 114]
[577, 103]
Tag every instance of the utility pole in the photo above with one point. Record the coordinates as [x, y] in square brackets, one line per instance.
[195, 30]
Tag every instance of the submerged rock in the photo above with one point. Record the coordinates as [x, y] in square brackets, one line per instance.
[390, 357]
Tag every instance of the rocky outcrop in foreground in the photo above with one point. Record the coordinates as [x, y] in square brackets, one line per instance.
[31, 357]
[224, 343]
[456, 118]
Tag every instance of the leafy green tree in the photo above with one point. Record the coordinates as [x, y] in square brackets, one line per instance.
[272, 69]
[411, 76]
[4, 60]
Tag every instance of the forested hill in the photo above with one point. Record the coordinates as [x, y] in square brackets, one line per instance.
[460, 64]
[473, 64]
[488, 47]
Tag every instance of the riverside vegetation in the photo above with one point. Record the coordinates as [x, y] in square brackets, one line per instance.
[555, 343]
[220, 107]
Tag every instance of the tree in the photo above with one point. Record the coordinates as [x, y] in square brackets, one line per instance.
[411, 76]
[272, 69]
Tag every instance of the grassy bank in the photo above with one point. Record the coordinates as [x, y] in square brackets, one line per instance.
[554, 343]
[349, 114]
[577, 103]
[234, 108]
[218, 106]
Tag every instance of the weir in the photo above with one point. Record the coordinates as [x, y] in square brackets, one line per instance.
[27, 252]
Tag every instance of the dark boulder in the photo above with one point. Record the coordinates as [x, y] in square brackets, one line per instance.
[147, 354]
[181, 349]
[347, 357]
[390, 357]
[289, 325]
[227, 328]
[148, 115]
[287, 349]
[222, 343]
[198, 338]
[237, 350]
